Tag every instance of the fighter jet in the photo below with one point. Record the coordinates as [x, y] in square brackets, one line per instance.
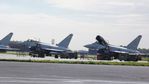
[108, 51]
[4, 43]
[42, 49]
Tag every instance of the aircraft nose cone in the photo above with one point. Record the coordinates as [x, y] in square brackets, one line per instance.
[87, 46]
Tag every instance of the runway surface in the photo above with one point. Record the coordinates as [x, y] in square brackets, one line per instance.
[42, 73]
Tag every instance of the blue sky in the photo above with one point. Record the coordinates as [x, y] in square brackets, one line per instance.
[119, 21]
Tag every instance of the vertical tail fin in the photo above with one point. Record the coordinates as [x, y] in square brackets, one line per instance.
[6, 40]
[134, 44]
[65, 43]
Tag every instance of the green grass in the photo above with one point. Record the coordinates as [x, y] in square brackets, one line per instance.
[92, 57]
[145, 59]
[80, 62]
[15, 53]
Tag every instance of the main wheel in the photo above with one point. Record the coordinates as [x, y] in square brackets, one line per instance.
[56, 56]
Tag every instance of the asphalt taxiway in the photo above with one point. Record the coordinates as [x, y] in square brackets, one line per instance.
[47, 73]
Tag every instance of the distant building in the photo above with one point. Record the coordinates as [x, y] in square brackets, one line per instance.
[23, 46]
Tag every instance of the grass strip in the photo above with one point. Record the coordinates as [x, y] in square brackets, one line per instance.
[80, 62]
